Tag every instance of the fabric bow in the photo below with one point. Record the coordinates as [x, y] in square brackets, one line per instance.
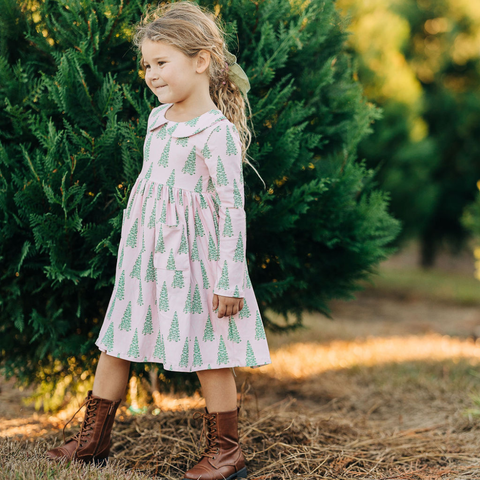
[236, 73]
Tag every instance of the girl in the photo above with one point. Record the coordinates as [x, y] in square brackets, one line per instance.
[182, 295]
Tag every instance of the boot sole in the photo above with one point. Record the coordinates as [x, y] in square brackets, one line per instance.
[240, 474]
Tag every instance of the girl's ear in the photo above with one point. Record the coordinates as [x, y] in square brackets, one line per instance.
[203, 60]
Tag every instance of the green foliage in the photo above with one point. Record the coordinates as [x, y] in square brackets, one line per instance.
[74, 116]
[420, 61]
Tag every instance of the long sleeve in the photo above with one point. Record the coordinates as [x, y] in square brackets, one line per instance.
[222, 154]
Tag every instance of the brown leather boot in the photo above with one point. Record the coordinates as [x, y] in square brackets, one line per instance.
[223, 458]
[92, 443]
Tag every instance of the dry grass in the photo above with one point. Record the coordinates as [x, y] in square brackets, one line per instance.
[382, 393]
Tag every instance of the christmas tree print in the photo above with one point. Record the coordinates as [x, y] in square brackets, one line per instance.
[174, 332]
[133, 350]
[147, 326]
[206, 283]
[112, 307]
[163, 301]
[121, 259]
[171, 196]
[126, 323]
[151, 221]
[159, 351]
[190, 164]
[259, 329]
[183, 248]
[211, 186]
[186, 221]
[150, 275]
[206, 152]
[239, 251]
[108, 338]
[132, 236]
[221, 175]
[241, 175]
[199, 186]
[178, 280]
[233, 334]
[160, 246]
[236, 293]
[163, 215]
[245, 311]
[171, 261]
[162, 132]
[249, 283]
[150, 190]
[171, 180]
[121, 286]
[188, 301]
[193, 121]
[215, 223]
[149, 173]
[227, 228]
[224, 283]
[194, 255]
[140, 294]
[197, 301]
[250, 358]
[237, 197]
[197, 356]
[212, 249]
[137, 267]
[208, 335]
[222, 356]
[144, 209]
[203, 203]
[172, 129]
[184, 358]
[182, 142]
[146, 153]
[163, 162]
[199, 231]
[231, 149]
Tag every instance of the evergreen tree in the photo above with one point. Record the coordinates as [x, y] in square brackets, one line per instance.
[74, 117]
[208, 334]
[126, 323]
[222, 356]
[133, 351]
[174, 332]
[107, 340]
[197, 356]
[148, 326]
[184, 358]
[233, 334]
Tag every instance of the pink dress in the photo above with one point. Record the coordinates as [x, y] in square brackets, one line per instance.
[183, 239]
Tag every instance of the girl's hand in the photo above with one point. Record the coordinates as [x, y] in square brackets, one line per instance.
[227, 305]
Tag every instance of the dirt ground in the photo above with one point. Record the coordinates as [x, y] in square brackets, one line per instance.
[390, 389]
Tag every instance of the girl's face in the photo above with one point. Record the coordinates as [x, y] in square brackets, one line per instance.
[170, 75]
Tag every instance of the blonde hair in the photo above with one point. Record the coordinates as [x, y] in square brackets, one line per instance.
[191, 28]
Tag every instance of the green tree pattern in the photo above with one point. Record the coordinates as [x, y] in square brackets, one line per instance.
[108, 338]
[126, 323]
[174, 332]
[133, 351]
[222, 356]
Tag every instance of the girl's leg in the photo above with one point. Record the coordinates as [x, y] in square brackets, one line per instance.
[219, 389]
[111, 377]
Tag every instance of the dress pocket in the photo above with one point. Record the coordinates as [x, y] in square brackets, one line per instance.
[171, 247]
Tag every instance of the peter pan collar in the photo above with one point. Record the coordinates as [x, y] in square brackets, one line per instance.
[184, 129]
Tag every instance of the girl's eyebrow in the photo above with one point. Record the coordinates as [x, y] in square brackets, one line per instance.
[159, 58]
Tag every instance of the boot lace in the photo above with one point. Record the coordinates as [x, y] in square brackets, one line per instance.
[210, 421]
[87, 424]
